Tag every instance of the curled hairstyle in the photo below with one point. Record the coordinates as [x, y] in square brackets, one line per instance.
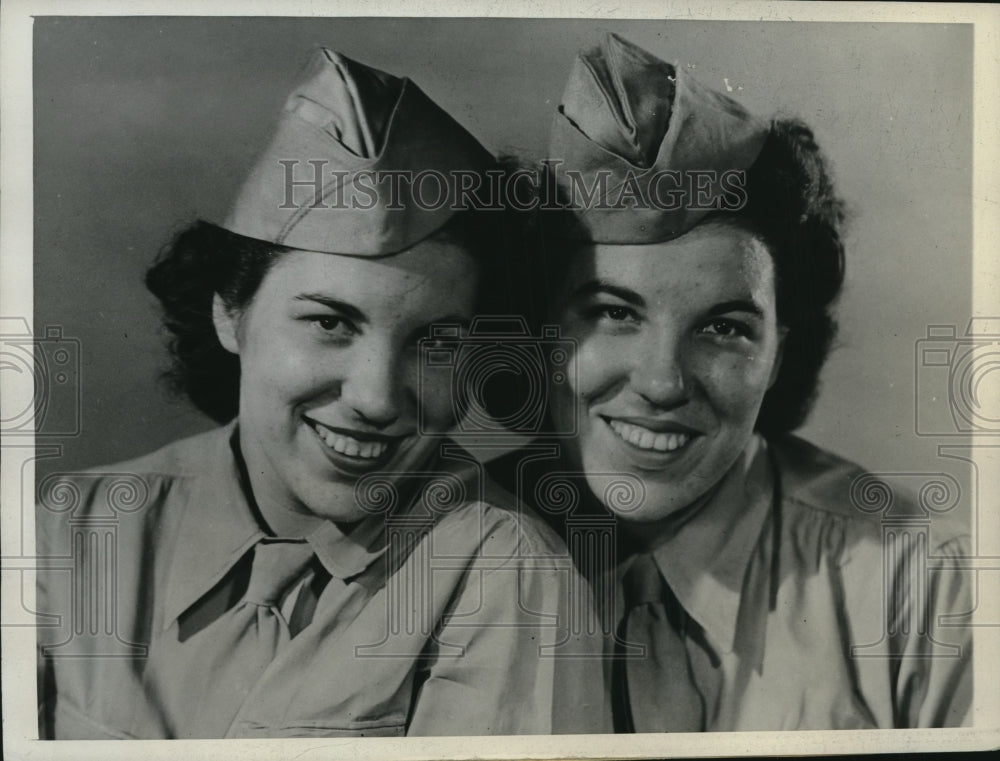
[793, 207]
[199, 262]
[204, 260]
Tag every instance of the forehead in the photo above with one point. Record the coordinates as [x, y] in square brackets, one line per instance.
[710, 259]
[427, 272]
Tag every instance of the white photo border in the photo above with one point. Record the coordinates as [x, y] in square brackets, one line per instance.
[16, 215]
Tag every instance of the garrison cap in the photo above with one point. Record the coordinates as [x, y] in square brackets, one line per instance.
[352, 148]
[657, 149]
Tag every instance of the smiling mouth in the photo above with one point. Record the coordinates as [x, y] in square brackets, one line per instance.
[643, 438]
[363, 447]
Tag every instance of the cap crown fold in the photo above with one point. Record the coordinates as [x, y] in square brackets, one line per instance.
[647, 139]
[342, 171]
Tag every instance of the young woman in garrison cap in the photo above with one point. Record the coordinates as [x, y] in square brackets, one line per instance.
[754, 584]
[320, 565]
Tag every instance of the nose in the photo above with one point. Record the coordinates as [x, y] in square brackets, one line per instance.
[658, 371]
[375, 387]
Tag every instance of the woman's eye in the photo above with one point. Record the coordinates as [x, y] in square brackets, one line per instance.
[331, 325]
[726, 328]
[613, 313]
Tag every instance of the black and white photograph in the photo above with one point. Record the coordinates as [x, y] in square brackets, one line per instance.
[427, 383]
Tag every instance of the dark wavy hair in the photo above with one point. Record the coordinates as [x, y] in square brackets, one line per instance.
[199, 262]
[792, 205]
[204, 259]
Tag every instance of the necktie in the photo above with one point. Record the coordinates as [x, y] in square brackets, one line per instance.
[276, 566]
[657, 690]
[200, 681]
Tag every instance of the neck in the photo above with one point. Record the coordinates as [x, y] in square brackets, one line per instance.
[275, 512]
[646, 536]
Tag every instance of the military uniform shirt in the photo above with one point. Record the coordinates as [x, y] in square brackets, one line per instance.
[807, 612]
[453, 627]
[802, 610]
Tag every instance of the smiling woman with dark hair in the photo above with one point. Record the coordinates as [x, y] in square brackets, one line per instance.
[205, 259]
[745, 589]
[325, 563]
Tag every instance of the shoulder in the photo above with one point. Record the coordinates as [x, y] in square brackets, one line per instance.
[129, 486]
[826, 497]
[816, 478]
[184, 457]
[489, 521]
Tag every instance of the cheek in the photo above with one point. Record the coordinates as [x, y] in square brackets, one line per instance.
[275, 368]
[600, 362]
[436, 398]
[735, 384]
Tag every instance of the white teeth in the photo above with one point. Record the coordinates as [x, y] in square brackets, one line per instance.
[350, 446]
[643, 438]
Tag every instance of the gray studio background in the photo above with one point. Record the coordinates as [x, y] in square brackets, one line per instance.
[141, 125]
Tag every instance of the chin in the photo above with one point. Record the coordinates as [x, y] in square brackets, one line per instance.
[340, 506]
[656, 508]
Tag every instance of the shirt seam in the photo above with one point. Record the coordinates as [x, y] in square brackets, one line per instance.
[872, 522]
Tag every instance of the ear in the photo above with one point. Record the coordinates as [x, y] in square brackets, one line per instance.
[226, 325]
[778, 355]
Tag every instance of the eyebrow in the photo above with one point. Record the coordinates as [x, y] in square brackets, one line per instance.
[738, 305]
[593, 287]
[353, 313]
[349, 311]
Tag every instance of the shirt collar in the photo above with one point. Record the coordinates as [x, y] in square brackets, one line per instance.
[346, 552]
[706, 560]
[443, 482]
[219, 527]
